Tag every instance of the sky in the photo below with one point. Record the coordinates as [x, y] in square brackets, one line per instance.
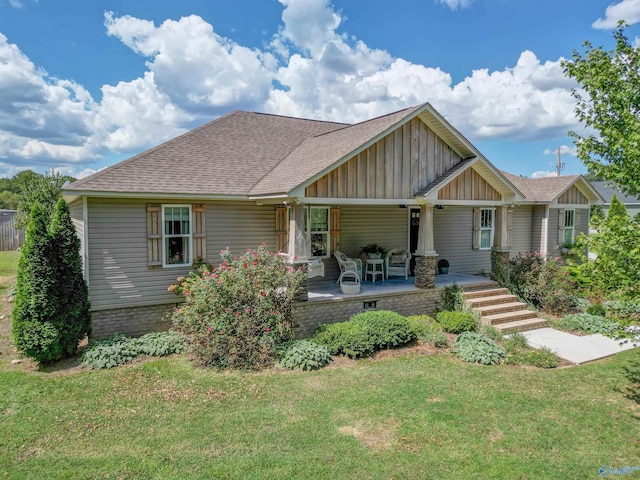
[85, 84]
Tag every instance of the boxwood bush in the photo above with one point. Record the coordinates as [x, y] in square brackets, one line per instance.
[477, 348]
[386, 329]
[345, 338]
[436, 339]
[456, 322]
[423, 326]
[305, 355]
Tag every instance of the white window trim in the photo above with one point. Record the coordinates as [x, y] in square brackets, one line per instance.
[491, 229]
[571, 227]
[164, 236]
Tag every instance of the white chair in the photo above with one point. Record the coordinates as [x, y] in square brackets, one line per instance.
[397, 262]
[348, 264]
[315, 268]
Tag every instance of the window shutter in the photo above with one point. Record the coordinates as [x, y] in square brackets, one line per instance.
[576, 223]
[154, 235]
[561, 226]
[199, 233]
[509, 226]
[476, 228]
[335, 228]
[281, 228]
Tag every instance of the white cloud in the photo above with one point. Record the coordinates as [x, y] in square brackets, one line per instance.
[16, 4]
[627, 10]
[455, 4]
[564, 150]
[543, 174]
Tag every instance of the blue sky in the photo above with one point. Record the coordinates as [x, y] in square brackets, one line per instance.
[84, 84]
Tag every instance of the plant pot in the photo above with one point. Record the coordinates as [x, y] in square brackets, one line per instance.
[443, 270]
[374, 256]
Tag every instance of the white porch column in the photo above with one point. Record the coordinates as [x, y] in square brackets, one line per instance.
[297, 250]
[425, 271]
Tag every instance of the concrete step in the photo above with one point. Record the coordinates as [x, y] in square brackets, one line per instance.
[521, 325]
[500, 308]
[482, 285]
[492, 300]
[489, 292]
[507, 317]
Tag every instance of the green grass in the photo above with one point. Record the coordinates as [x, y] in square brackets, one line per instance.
[9, 263]
[413, 416]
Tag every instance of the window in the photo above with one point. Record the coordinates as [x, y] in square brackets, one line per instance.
[318, 227]
[569, 224]
[176, 235]
[486, 228]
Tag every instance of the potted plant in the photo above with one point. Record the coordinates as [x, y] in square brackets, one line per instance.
[443, 266]
[373, 251]
[566, 248]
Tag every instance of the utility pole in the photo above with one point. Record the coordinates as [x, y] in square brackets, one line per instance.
[560, 165]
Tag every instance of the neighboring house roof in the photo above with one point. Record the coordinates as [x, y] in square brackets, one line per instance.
[548, 189]
[224, 157]
[607, 192]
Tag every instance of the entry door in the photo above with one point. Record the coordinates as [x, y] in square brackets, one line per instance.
[414, 228]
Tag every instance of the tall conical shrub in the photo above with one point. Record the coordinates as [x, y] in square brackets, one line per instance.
[72, 297]
[34, 315]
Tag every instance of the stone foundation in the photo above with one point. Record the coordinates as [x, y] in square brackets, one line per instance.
[133, 321]
[308, 315]
[425, 272]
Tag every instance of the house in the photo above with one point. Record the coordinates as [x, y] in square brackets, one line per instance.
[307, 188]
[607, 192]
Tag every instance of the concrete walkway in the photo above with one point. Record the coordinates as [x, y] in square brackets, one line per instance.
[574, 348]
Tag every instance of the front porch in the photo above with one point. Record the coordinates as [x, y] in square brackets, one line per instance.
[328, 289]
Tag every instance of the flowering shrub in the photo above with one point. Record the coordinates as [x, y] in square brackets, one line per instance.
[235, 316]
[543, 282]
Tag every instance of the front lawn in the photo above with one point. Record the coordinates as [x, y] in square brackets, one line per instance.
[415, 416]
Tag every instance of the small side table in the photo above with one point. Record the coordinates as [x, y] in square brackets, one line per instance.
[375, 266]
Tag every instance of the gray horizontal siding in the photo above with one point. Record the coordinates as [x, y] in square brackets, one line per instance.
[554, 219]
[77, 218]
[118, 271]
[521, 230]
[453, 231]
[537, 228]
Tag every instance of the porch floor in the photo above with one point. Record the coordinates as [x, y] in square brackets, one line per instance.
[325, 289]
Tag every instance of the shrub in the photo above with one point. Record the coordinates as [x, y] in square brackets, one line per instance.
[345, 338]
[542, 358]
[596, 309]
[516, 342]
[456, 322]
[236, 315]
[436, 339]
[453, 298]
[386, 329]
[543, 283]
[583, 322]
[305, 355]
[477, 348]
[423, 325]
[625, 311]
[492, 332]
[118, 349]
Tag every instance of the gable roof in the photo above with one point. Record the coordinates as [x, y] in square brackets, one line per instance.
[224, 157]
[548, 189]
[607, 192]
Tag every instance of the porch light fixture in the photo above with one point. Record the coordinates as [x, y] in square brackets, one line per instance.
[440, 207]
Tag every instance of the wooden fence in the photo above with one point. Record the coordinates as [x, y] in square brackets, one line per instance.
[11, 238]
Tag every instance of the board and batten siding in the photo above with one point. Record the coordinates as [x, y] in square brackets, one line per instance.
[76, 211]
[469, 185]
[119, 275]
[521, 229]
[398, 166]
[453, 236]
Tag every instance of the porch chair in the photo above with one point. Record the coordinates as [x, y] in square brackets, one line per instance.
[348, 264]
[315, 268]
[397, 262]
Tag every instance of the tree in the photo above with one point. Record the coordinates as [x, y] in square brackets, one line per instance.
[72, 296]
[609, 103]
[616, 269]
[42, 189]
[34, 310]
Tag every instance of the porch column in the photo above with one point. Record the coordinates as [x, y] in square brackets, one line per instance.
[425, 271]
[297, 251]
[501, 238]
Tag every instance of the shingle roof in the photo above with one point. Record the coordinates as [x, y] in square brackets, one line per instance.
[224, 157]
[541, 189]
[316, 154]
[607, 192]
